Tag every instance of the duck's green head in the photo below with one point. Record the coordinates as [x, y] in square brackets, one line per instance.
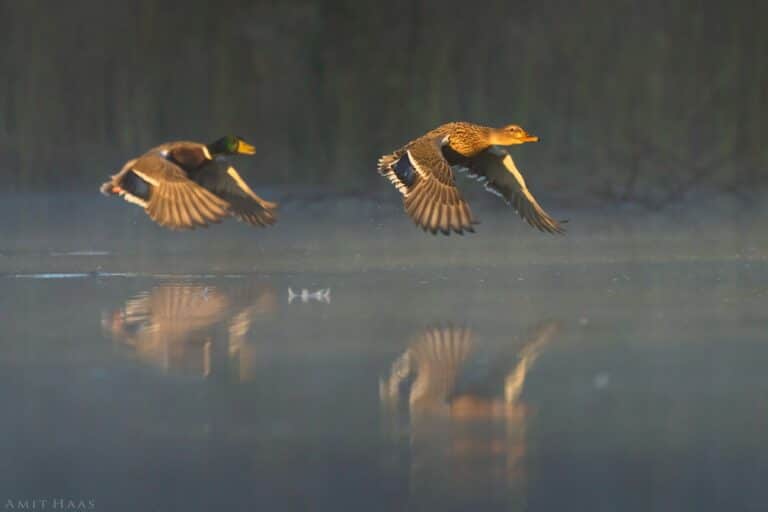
[510, 135]
[230, 145]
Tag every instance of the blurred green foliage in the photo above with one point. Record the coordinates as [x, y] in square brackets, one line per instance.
[631, 99]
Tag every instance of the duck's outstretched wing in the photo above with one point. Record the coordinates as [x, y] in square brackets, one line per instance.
[496, 169]
[165, 192]
[421, 173]
[224, 181]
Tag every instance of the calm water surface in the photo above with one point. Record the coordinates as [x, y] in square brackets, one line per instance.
[604, 379]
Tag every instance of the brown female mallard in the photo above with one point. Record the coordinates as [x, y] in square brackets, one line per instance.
[422, 171]
[182, 185]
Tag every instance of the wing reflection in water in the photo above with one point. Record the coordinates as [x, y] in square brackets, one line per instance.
[459, 405]
[192, 328]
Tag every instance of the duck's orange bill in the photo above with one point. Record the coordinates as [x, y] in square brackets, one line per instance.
[245, 149]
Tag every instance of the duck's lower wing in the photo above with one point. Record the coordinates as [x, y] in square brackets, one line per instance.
[424, 177]
[496, 169]
[167, 195]
[225, 182]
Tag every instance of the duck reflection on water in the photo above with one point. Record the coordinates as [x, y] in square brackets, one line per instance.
[192, 328]
[458, 402]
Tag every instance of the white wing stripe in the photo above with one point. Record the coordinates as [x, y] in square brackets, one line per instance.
[145, 177]
[416, 166]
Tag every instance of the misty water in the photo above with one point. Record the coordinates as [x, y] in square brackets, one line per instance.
[620, 367]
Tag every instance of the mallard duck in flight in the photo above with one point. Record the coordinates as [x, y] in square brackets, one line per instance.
[182, 185]
[423, 172]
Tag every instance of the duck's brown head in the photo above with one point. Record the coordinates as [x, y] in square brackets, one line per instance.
[510, 135]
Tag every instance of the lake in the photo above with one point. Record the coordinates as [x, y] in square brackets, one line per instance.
[343, 360]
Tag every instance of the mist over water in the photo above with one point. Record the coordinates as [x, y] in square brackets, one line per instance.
[620, 366]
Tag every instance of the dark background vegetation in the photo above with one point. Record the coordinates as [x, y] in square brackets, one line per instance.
[633, 100]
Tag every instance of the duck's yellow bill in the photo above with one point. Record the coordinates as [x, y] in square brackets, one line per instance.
[245, 149]
[530, 138]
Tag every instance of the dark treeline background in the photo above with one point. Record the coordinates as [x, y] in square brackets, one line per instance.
[633, 100]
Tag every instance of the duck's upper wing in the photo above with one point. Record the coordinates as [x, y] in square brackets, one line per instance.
[225, 182]
[427, 183]
[186, 154]
[497, 170]
[175, 201]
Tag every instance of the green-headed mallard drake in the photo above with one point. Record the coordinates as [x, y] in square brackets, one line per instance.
[422, 171]
[182, 185]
